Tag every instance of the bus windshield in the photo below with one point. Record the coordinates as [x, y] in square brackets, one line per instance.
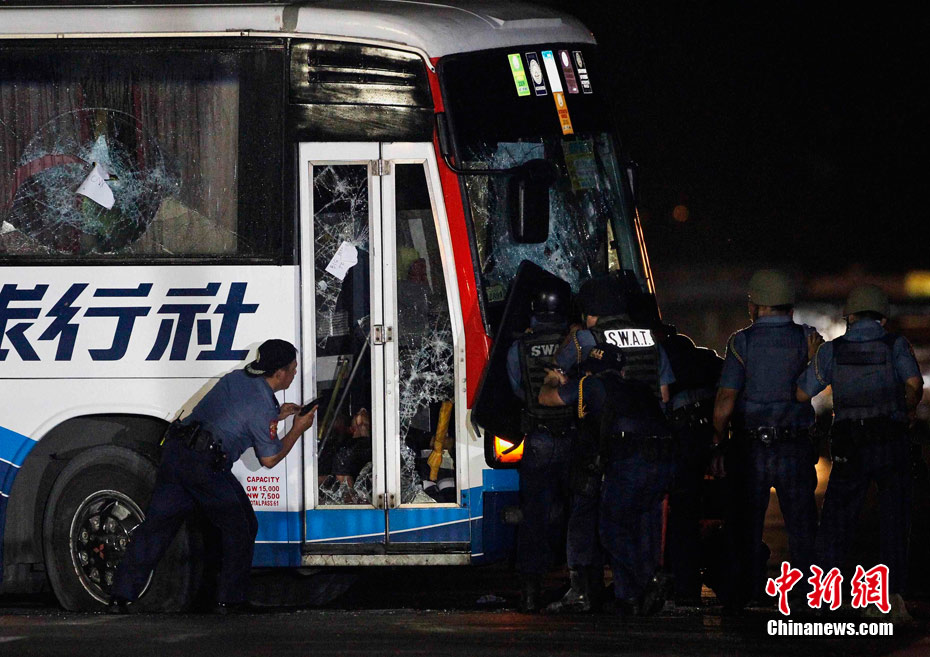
[590, 202]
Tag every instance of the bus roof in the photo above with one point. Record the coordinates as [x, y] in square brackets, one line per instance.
[435, 28]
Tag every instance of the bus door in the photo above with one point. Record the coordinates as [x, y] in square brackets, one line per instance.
[383, 347]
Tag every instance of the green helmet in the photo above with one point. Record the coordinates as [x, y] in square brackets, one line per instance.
[770, 287]
[866, 297]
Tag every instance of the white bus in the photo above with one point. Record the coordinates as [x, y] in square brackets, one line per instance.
[181, 181]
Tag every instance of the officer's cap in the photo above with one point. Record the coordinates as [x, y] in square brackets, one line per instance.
[602, 358]
[601, 297]
[866, 297]
[272, 355]
[770, 287]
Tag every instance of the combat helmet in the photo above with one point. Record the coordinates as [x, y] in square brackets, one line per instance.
[864, 298]
[770, 287]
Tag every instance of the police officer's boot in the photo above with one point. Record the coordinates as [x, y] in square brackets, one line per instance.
[578, 598]
[657, 592]
[531, 594]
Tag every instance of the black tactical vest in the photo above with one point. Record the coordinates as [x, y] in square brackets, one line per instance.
[864, 381]
[537, 353]
[630, 407]
[640, 351]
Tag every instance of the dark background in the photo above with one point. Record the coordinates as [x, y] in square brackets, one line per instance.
[792, 132]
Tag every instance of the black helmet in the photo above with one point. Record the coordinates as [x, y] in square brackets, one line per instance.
[550, 303]
[602, 296]
[603, 358]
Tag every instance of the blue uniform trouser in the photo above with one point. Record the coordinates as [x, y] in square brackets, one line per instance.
[631, 519]
[683, 550]
[584, 545]
[186, 483]
[543, 502]
[887, 463]
[753, 469]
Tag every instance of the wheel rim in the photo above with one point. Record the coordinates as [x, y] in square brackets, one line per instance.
[100, 532]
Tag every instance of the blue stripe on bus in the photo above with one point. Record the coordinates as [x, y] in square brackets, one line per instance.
[345, 525]
[404, 519]
[276, 555]
[14, 446]
[457, 532]
[278, 526]
[13, 450]
[500, 480]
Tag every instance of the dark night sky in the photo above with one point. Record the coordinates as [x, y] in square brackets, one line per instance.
[793, 132]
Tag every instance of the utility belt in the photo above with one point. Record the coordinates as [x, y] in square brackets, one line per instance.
[196, 438]
[869, 430]
[553, 426]
[771, 435]
[700, 413]
[625, 444]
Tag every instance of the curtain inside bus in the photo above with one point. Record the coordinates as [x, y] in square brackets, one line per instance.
[136, 150]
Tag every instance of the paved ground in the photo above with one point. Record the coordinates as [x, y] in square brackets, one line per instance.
[449, 611]
[427, 612]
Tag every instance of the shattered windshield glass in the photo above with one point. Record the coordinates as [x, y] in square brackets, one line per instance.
[585, 199]
[115, 151]
[544, 101]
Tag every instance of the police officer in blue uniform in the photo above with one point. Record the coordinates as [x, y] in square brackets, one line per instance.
[604, 308]
[771, 444]
[239, 412]
[697, 371]
[636, 450]
[876, 388]
[544, 467]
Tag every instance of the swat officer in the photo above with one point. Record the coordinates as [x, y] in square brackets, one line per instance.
[239, 412]
[697, 370]
[544, 467]
[876, 388]
[771, 443]
[635, 445]
[604, 307]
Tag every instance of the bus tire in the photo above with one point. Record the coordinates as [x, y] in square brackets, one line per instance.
[97, 500]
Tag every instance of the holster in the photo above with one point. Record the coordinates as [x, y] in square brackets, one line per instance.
[194, 437]
[186, 434]
[587, 465]
[585, 475]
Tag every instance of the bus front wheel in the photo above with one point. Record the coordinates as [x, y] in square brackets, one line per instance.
[97, 501]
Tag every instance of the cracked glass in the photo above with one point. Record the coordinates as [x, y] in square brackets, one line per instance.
[118, 151]
[424, 345]
[342, 312]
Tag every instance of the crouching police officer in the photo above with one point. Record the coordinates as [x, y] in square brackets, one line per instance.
[636, 449]
[239, 412]
[544, 467]
[876, 388]
[772, 444]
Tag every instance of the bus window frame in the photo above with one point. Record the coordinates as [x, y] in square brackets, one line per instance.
[286, 220]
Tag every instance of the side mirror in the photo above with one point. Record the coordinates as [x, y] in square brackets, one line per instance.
[528, 194]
